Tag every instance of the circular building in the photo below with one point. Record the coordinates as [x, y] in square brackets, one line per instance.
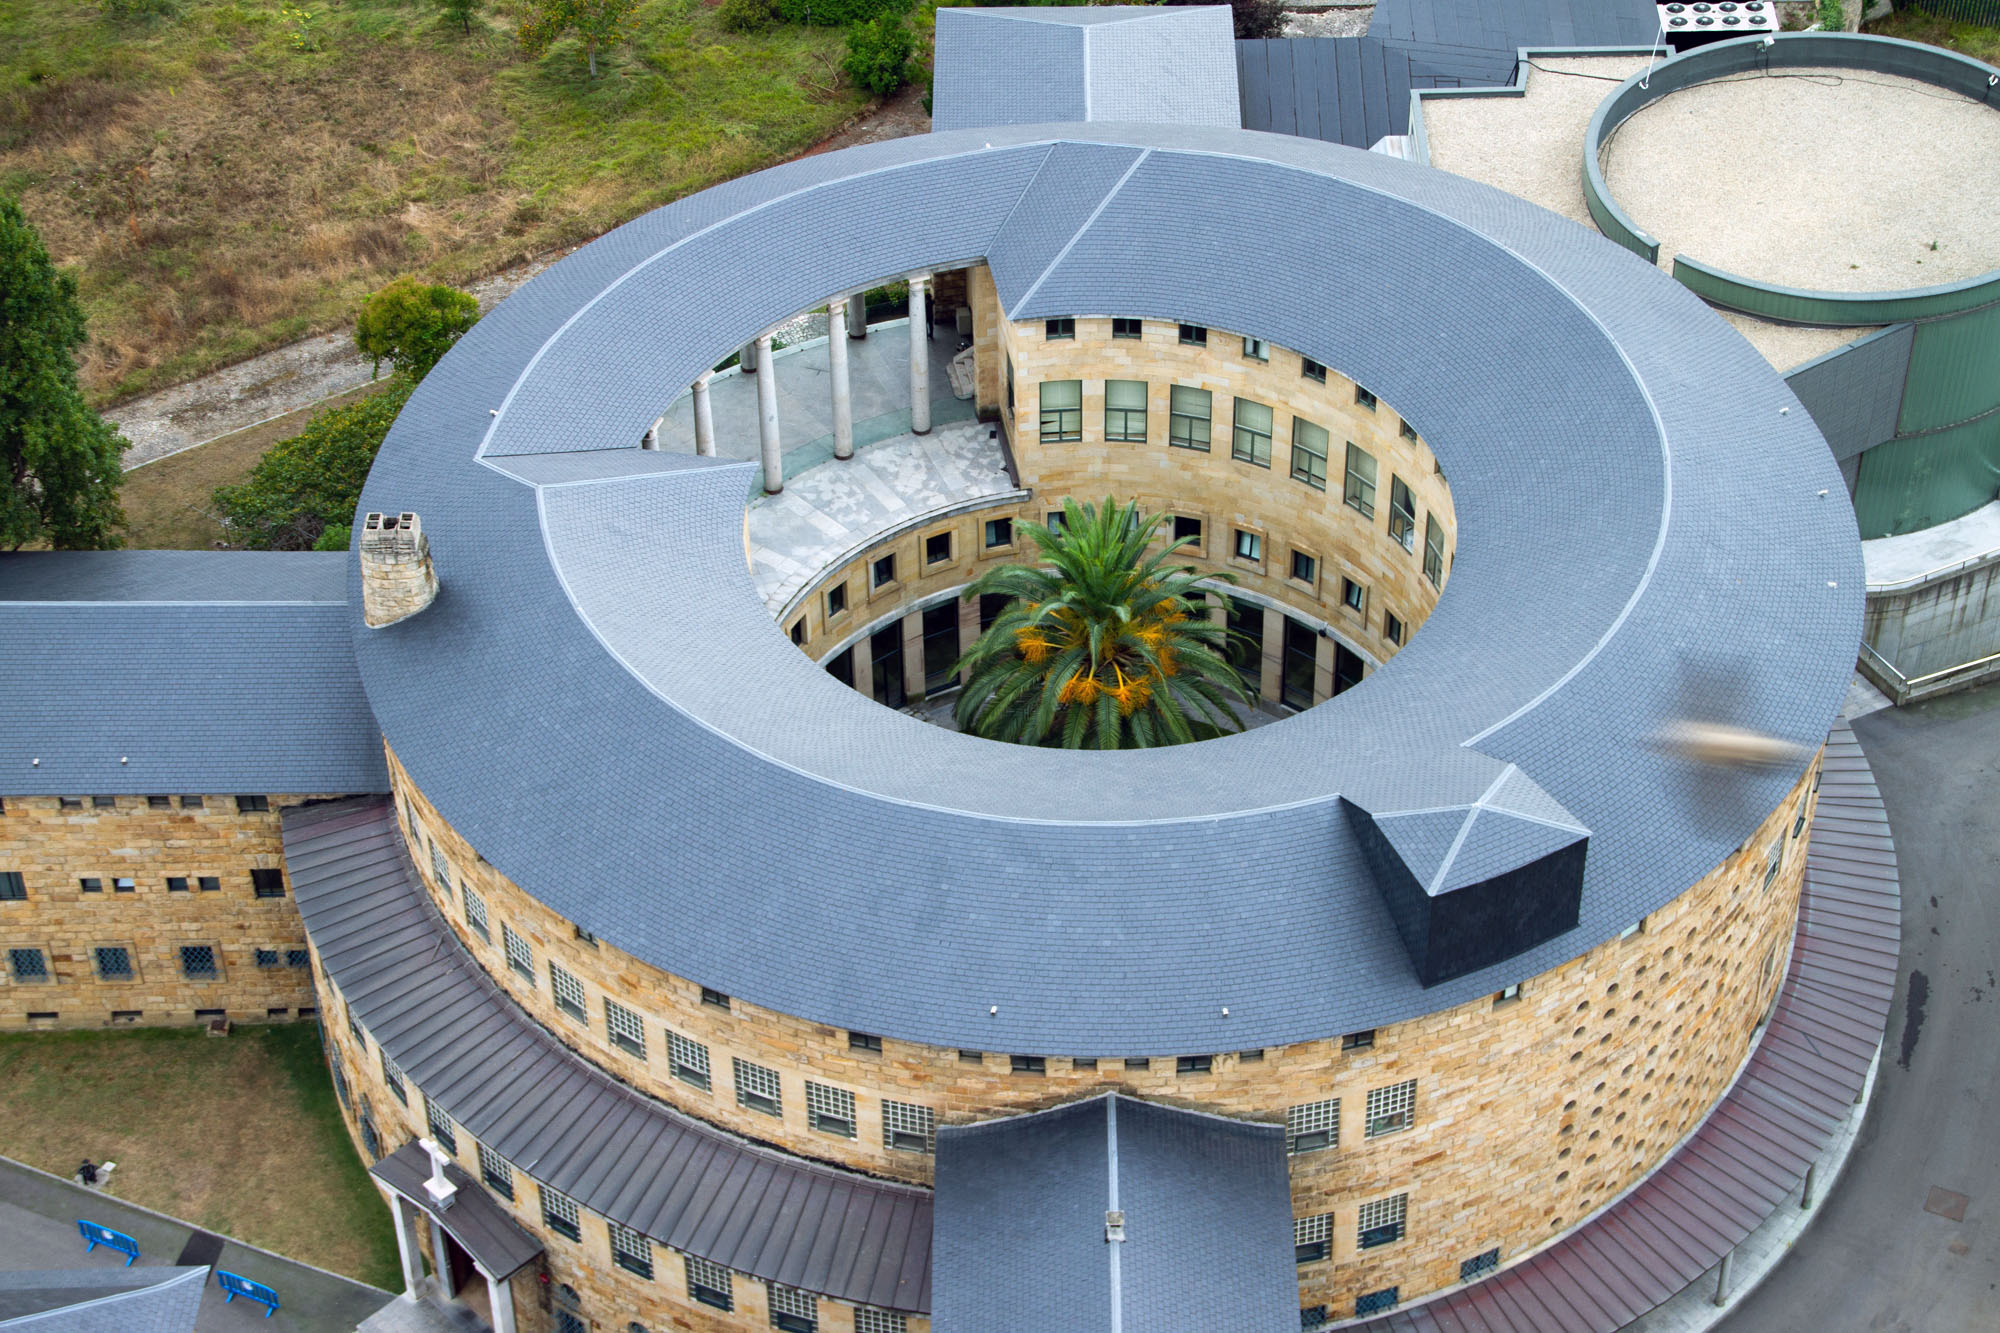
[752, 1002]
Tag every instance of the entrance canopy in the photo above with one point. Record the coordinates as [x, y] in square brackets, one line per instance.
[482, 1227]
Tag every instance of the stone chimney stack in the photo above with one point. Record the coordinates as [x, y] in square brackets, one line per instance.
[397, 579]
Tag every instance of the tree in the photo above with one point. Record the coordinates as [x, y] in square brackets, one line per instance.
[460, 12]
[596, 23]
[878, 54]
[411, 324]
[1106, 646]
[305, 485]
[60, 458]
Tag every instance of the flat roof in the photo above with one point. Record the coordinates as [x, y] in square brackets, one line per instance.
[601, 704]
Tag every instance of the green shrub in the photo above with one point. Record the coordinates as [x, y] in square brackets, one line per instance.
[336, 537]
[125, 11]
[838, 13]
[305, 486]
[1832, 18]
[747, 16]
[411, 324]
[878, 54]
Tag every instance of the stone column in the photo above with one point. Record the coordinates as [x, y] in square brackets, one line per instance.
[913, 655]
[1272, 688]
[864, 666]
[408, 1248]
[746, 360]
[843, 389]
[968, 626]
[857, 316]
[920, 358]
[704, 418]
[441, 1260]
[651, 439]
[1322, 669]
[767, 423]
[501, 1296]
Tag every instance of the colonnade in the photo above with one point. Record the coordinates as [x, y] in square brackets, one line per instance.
[847, 318]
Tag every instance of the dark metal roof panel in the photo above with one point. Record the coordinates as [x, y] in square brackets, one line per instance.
[499, 1244]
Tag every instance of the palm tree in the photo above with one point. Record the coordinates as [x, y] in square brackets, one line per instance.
[1101, 645]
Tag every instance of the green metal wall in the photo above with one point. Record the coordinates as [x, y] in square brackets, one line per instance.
[1906, 485]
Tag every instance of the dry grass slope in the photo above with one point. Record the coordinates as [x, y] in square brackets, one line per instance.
[220, 192]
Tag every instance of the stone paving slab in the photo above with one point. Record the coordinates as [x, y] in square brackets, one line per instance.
[38, 1216]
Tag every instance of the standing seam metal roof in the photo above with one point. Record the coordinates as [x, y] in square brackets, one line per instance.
[1639, 498]
[517, 1089]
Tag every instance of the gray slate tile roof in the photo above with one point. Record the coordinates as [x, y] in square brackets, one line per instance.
[102, 1300]
[1636, 491]
[561, 1120]
[1021, 1206]
[128, 672]
[1162, 66]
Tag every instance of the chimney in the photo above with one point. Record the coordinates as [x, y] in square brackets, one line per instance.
[397, 579]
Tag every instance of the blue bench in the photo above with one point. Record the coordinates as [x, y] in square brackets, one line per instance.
[244, 1287]
[97, 1235]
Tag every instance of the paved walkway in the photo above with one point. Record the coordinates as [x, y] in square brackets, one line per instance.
[38, 1216]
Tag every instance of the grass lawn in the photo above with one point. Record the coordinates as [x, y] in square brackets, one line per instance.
[1913, 25]
[219, 192]
[240, 1135]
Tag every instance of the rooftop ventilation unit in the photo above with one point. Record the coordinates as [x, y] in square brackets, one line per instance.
[1688, 23]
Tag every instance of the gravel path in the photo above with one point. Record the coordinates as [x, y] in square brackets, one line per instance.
[1835, 181]
[1339, 21]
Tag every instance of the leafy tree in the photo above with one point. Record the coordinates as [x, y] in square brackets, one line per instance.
[878, 54]
[307, 485]
[460, 12]
[61, 459]
[596, 23]
[1106, 646]
[411, 324]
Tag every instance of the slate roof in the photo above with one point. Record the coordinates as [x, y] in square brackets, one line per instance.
[1505, 25]
[1635, 489]
[1161, 65]
[560, 1119]
[102, 1300]
[1207, 1207]
[1352, 90]
[488, 1232]
[130, 672]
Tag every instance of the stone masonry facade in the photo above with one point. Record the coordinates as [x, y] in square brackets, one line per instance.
[1500, 1124]
[148, 910]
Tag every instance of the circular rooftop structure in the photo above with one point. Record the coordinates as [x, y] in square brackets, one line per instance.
[600, 703]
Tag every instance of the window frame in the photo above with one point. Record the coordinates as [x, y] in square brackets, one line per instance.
[1390, 1109]
[1358, 484]
[1304, 452]
[616, 1016]
[1125, 327]
[1182, 421]
[1247, 442]
[1120, 428]
[771, 1103]
[1062, 329]
[1402, 513]
[1066, 418]
[1194, 335]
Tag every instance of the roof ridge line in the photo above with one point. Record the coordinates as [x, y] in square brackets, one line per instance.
[1077, 235]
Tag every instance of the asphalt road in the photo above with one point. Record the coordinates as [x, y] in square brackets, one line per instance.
[1876, 1261]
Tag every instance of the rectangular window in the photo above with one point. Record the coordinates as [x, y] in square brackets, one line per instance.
[714, 998]
[1122, 327]
[568, 994]
[354, 1030]
[630, 1250]
[940, 631]
[177, 883]
[475, 913]
[841, 667]
[1312, 370]
[1312, 1238]
[1125, 410]
[443, 1132]
[867, 1320]
[1377, 1302]
[625, 1028]
[1251, 441]
[1313, 1127]
[1479, 1265]
[559, 1213]
[1402, 513]
[1433, 550]
[1062, 410]
[1027, 1064]
[1194, 335]
[208, 883]
[1304, 568]
[520, 956]
[267, 883]
[13, 888]
[1409, 431]
[1358, 1041]
[1392, 628]
[1309, 445]
[296, 958]
[495, 1171]
[28, 964]
[252, 805]
[1249, 546]
[393, 1076]
[1636, 928]
[1055, 330]
[268, 958]
[1313, 1316]
[440, 868]
[687, 1060]
[1189, 414]
[1084, 1062]
[1360, 489]
[836, 601]
[999, 533]
[830, 1110]
[134, 1015]
[585, 937]
[90, 884]
[792, 1310]
[123, 884]
[966, 1057]
[1057, 520]
[991, 604]
[883, 572]
[1352, 595]
[1363, 398]
[111, 802]
[1255, 350]
[159, 802]
[1193, 1064]
[1301, 665]
[191, 802]
[70, 802]
[1187, 530]
[864, 1041]
[1382, 1221]
[908, 1128]
[1392, 1109]
[1774, 861]
[198, 962]
[798, 632]
[114, 962]
[1136, 1062]
[709, 1284]
[1507, 995]
[757, 1088]
[937, 548]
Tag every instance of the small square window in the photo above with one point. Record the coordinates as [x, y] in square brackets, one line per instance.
[125, 884]
[1363, 398]
[1304, 568]
[267, 883]
[757, 1088]
[297, 958]
[1312, 1238]
[864, 1041]
[714, 998]
[253, 805]
[625, 1028]
[1194, 335]
[1057, 521]
[1250, 1057]
[1391, 1109]
[1055, 330]
[1507, 995]
[830, 1110]
[710, 1284]
[568, 993]
[1392, 628]
[278, 1011]
[999, 532]
[14, 888]
[177, 883]
[91, 884]
[1313, 1126]
[198, 962]
[687, 1060]
[971, 1057]
[1255, 350]
[114, 962]
[191, 802]
[883, 571]
[70, 802]
[559, 1212]
[159, 802]
[208, 883]
[1636, 928]
[1382, 1221]
[1187, 529]
[937, 548]
[1479, 1265]
[583, 936]
[1249, 546]
[630, 1250]
[1193, 1064]
[836, 601]
[269, 959]
[1358, 1041]
[1138, 1062]
[1027, 1064]
[908, 1128]
[496, 1172]
[1084, 1062]
[104, 802]
[520, 955]
[1313, 1316]
[1312, 370]
[1377, 1302]
[1352, 595]
[798, 631]
[1409, 432]
[1122, 327]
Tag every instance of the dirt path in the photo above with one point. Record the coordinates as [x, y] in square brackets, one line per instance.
[306, 373]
